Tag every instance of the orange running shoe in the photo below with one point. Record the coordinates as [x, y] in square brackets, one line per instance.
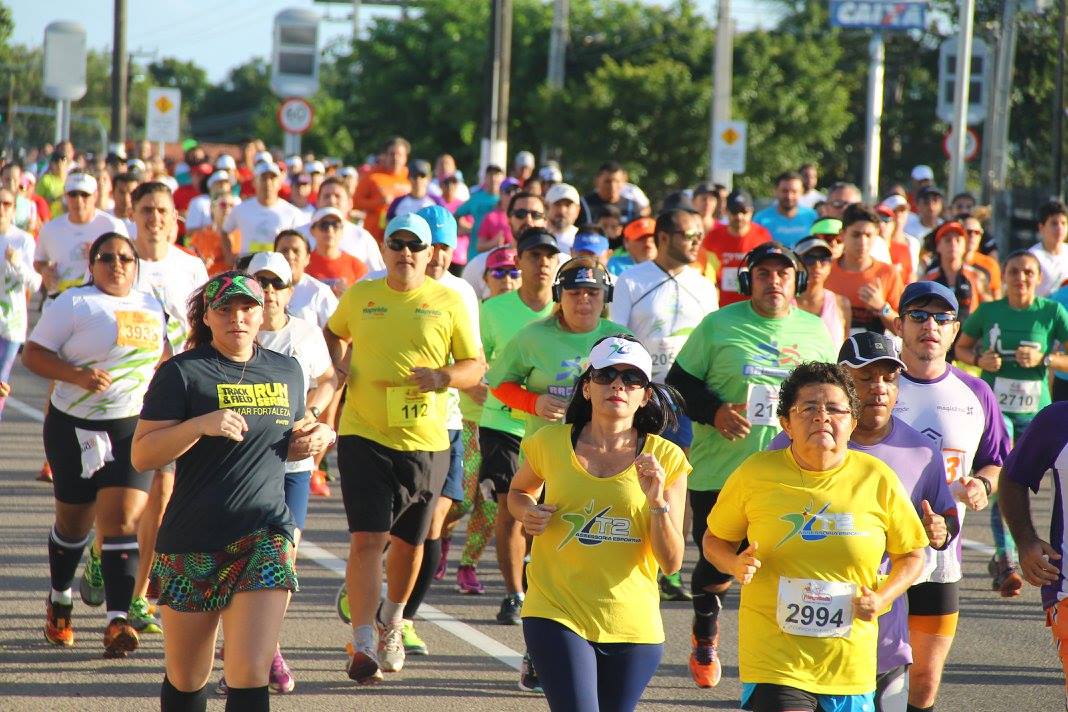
[45, 475]
[705, 668]
[58, 629]
[120, 638]
[318, 484]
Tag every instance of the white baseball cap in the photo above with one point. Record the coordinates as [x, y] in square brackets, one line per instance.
[226, 162]
[294, 164]
[135, 164]
[267, 167]
[168, 181]
[562, 191]
[79, 182]
[894, 202]
[316, 167]
[272, 262]
[263, 156]
[347, 171]
[524, 158]
[617, 351]
[550, 174]
[922, 172]
[218, 176]
[326, 213]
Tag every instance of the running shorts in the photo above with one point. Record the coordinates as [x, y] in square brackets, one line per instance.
[934, 608]
[500, 459]
[767, 697]
[65, 457]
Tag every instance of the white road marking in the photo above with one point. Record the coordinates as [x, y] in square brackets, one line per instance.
[28, 410]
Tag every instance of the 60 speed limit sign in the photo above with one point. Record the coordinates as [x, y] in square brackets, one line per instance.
[295, 115]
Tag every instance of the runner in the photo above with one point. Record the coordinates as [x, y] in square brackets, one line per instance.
[959, 413]
[973, 229]
[387, 179]
[417, 197]
[639, 245]
[832, 309]
[597, 639]
[327, 263]
[100, 343]
[726, 246]
[206, 242]
[482, 201]
[969, 284]
[228, 412]
[1012, 340]
[872, 288]
[608, 190]
[355, 240]
[525, 210]
[564, 206]
[392, 453]
[729, 373]
[1051, 250]
[809, 606]
[312, 300]
[787, 221]
[17, 279]
[261, 218]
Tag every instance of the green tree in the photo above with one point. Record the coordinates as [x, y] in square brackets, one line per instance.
[191, 78]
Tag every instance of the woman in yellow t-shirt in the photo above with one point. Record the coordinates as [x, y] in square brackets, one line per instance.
[804, 530]
[611, 517]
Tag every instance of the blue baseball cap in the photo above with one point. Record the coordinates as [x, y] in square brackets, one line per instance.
[442, 224]
[928, 290]
[413, 223]
[590, 242]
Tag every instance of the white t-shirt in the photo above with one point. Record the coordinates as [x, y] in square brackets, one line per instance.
[809, 199]
[171, 280]
[1054, 268]
[409, 204]
[15, 279]
[662, 309]
[303, 341]
[121, 335]
[913, 226]
[260, 224]
[67, 245]
[355, 241]
[312, 301]
[566, 240]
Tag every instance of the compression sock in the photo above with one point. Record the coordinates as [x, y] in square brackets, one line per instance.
[431, 559]
[118, 562]
[171, 699]
[63, 558]
[248, 699]
[391, 613]
[706, 608]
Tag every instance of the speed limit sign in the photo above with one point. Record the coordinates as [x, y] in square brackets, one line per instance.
[295, 115]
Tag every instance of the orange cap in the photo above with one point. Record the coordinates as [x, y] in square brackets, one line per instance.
[949, 228]
[637, 229]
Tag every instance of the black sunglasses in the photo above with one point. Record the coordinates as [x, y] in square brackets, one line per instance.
[632, 378]
[110, 258]
[524, 213]
[275, 282]
[811, 259]
[502, 272]
[920, 316]
[398, 245]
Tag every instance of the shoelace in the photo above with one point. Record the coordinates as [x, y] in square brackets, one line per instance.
[394, 639]
[704, 652]
[93, 573]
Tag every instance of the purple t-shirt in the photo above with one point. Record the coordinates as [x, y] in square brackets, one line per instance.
[923, 474]
[1044, 446]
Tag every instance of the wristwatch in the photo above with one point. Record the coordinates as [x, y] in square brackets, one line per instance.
[315, 411]
[885, 311]
[661, 510]
[1047, 360]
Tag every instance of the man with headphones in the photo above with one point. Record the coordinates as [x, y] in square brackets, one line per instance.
[729, 372]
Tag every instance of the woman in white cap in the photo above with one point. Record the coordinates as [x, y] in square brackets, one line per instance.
[614, 494]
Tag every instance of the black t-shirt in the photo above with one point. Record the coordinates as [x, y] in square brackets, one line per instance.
[223, 489]
[594, 204]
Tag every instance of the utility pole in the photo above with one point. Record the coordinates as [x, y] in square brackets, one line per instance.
[957, 170]
[495, 138]
[996, 153]
[1058, 108]
[874, 118]
[355, 22]
[722, 71]
[119, 68]
[558, 39]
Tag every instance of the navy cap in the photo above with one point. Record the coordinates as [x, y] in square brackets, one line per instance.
[738, 201]
[536, 237]
[868, 347]
[767, 250]
[927, 290]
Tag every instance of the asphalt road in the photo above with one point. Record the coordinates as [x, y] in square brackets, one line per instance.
[1002, 659]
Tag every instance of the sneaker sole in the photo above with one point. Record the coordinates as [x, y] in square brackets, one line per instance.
[341, 613]
[416, 651]
[279, 690]
[529, 688]
[470, 591]
[91, 596]
[121, 646]
[386, 666]
[363, 670]
[152, 628]
[59, 643]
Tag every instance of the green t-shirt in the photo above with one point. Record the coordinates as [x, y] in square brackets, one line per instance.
[1020, 392]
[501, 318]
[732, 350]
[544, 358]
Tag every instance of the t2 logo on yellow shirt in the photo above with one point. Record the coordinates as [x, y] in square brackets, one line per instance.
[819, 525]
[592, 529]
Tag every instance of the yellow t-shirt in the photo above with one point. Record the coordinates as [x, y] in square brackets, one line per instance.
[811, 528]
[593, 568]
[393, 332]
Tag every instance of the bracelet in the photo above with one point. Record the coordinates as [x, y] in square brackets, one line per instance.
[986, 484]
[660, 510]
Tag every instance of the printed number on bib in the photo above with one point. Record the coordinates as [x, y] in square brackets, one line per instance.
[814, 608]
[761, 402]
[954, 461]
[138, 330]
[728, 279]
[664, 352]
[406, 406]
[1017, 396]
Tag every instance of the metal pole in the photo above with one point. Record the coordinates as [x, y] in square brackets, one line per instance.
[355, 22]
[291, 144]
[58, 135]
[489, 112]
[957, 171]
[504, 81]
[558, 37]
[994, 188]
[119, 69]
[721, 87]
[874, 122]
[1058, 108]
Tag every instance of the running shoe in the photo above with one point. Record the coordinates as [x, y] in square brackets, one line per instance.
[705, 668]
[391, 647]
[318, 485]
[222, 688]
[45, 475]
[58, 629]
[511, 608]
[120, 638]
[91, 585]
[341, 603]
[363, 665]
[1006, 576]
[443, 563]
[281, 677]
[671, 588]
[467, 581]
[142, 616]
[528, 677]
[413, 644]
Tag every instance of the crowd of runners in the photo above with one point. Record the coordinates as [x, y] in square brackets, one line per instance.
[814, 393]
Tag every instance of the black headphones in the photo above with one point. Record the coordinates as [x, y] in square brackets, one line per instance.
[601, 274]
[758, 253]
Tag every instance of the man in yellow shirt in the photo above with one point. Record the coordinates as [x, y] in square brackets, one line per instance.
[411, 339]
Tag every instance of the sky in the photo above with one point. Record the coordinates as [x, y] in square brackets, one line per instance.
[221, 35]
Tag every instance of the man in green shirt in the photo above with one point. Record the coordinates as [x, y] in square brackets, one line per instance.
[50, 184]
[729, 372]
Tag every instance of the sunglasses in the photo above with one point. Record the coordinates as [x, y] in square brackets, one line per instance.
[920, 316]
[524, 213]
[691, 235]
[329, 224]
[110, 258]
[274, 282]
[79, 194]
[632, 378]
[502, 272]
[811, 259]
[837, 203]
[398, 245]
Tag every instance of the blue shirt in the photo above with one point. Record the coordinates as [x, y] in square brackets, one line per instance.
[788, 231]
[478, 206]
[619, 262]
[1061, 297]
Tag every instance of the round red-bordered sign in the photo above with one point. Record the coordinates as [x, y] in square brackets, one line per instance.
[295, 115]
[971, 144]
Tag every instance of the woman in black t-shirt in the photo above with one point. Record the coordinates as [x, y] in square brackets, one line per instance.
[229, 413]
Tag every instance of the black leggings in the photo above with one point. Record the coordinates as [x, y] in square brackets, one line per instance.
[580, 676]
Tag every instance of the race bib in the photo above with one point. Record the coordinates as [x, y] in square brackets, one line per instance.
[728, 279]
[954, 462]
[260, 247]
[138, 330]
[814, 608]
[761, 403]
[664, 352]
[1017, 396]
[406, 406]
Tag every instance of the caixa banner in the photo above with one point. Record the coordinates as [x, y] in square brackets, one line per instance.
[879, 14]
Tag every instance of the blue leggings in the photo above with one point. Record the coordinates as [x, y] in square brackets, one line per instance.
[580, 676]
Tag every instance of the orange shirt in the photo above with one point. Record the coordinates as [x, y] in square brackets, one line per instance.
[901, 256]
[206, 244]
[990, 266]
[375, 192]
[723, 253]
[848, 284]
[338, 273]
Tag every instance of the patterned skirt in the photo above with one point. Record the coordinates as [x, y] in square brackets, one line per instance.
[200, 582]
